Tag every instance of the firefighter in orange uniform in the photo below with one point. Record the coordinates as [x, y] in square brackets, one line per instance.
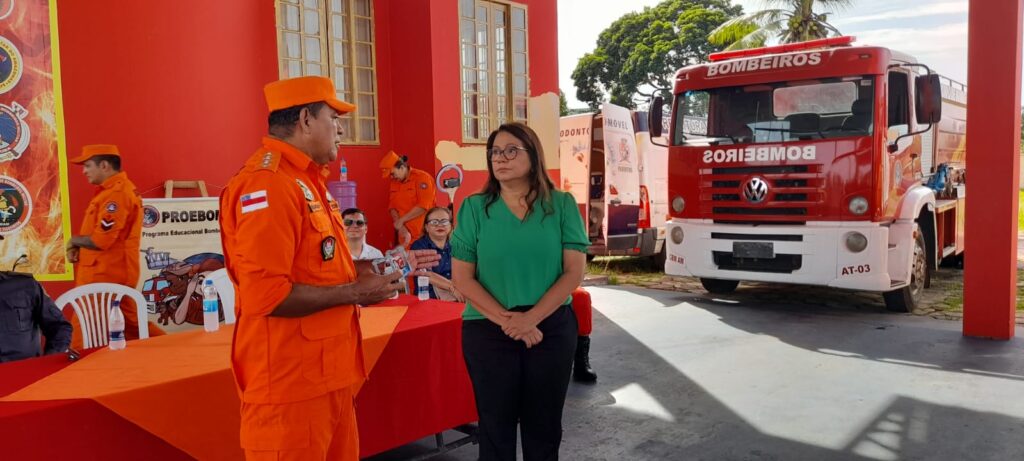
[107, 249]
[296, 352]
[411, 195]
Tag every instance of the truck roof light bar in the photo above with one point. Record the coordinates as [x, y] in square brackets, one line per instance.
[844, 40]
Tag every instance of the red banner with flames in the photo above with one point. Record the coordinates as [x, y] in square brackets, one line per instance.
[34, 217]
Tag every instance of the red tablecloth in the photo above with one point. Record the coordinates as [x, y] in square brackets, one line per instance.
[417, 387]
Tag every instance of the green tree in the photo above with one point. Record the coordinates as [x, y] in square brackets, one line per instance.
[563, 105]
[791, 21]
[642, 50]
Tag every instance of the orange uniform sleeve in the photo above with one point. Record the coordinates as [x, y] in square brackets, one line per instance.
[425, 195]
[112, 216]
[261, 219]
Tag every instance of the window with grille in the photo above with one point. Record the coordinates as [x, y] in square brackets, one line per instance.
[495, 83]
[334, 38]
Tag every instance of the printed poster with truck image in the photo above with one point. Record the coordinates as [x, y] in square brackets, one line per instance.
[180, 246]
[622, 174]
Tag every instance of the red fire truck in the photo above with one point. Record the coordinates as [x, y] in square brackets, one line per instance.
[817, 163]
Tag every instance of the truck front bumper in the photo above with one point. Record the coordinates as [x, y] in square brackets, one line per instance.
[812, 254]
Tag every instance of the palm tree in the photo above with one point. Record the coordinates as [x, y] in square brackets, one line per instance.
[790, 21]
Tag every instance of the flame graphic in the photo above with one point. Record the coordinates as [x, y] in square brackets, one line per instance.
[42, 239]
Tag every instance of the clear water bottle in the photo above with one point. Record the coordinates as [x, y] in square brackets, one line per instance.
[423, 287]
[344, 170]
[115, 321]
[211, 312]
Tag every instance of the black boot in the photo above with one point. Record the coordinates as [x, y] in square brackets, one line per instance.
[581, 371]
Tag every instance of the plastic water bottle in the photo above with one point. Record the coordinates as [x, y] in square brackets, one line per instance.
[115, 320]
[423, 287]
[211, 312]
[344, 170]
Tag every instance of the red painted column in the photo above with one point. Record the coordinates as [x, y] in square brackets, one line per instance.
[993, 146]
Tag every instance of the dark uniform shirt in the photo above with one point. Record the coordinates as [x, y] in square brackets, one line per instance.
[444, 266]
[25, 310]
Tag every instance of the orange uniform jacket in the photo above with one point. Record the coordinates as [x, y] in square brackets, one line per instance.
[279, 226]
[113, 221]
[416, 191]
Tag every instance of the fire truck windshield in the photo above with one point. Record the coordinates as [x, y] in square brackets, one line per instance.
[775, 112]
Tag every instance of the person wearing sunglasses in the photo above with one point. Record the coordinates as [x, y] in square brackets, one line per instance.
[354, 221]
[436, 230]
[517, 254]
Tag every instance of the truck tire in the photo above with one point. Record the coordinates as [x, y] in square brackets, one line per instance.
[719, 286]
[905, 299]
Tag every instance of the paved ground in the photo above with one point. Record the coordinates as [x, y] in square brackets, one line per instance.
[690, 377]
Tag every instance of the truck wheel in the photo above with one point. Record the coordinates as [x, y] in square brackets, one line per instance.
[719, 286]
[905, 299]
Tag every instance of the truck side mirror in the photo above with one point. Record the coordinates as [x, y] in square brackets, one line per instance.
[654, 116]
[929, 99]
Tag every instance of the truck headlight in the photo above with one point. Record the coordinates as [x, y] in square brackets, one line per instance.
[678, 204]
[677, 235]
[856, 242]
[858, 205]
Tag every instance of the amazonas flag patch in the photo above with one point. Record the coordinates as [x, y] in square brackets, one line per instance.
[254, 201]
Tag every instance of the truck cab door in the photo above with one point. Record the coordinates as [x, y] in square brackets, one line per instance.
[574, 145]
[621, 179]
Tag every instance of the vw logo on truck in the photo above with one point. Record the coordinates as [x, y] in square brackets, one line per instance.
[755, 190]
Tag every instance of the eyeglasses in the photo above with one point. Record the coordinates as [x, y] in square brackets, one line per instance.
[439, 222]
[359, 223]
[510, 152]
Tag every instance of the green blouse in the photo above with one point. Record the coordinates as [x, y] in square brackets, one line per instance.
[517, 261]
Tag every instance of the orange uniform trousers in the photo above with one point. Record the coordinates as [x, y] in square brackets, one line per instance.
[321, 428]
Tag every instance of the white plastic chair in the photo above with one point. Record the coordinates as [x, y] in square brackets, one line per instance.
[92, 307]
[226, 292]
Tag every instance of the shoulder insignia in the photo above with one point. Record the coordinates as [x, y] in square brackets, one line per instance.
[110, 207]
[269, 161]
[423, 185]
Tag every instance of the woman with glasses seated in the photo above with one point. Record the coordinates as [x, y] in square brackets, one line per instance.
[436, 230]
[355, 233]
[517, 255]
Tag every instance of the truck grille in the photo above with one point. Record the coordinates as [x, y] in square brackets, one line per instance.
[781, 263]
[795, 193]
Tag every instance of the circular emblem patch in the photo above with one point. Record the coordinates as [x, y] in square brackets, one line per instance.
[111, 207]
[6, 8]
[150, 216]
[14, 132]
[10, 65]
[15, 205]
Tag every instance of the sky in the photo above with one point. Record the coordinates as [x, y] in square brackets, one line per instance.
[933, 31]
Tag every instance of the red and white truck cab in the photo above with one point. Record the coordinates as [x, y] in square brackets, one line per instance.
[817, 163]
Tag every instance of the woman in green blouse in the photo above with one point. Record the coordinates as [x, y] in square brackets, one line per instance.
[518, 251]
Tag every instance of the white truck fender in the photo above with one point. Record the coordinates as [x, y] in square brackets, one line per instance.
[914, 201]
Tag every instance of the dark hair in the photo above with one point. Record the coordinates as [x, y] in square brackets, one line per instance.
[350, 211]
[540, 184]
[281, 122]
[113, 160]
[426, 216]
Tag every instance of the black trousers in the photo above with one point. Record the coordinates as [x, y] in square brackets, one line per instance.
[514, 384]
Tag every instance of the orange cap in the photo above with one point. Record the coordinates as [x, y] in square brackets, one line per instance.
[388, 162]
[291, 92]
[93, 150]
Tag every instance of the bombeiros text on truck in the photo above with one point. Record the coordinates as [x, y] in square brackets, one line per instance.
[818, 163]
